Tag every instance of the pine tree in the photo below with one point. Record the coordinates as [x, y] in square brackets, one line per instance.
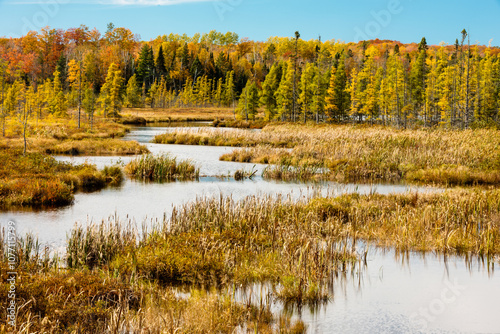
[269, 87]
[307, 89]
[161, 70]
[133, 93]
[110, 98]
[145, 67]
[12, 101]
[229, 89]
[352, 89]
[248, 101]
[284, 94]
[89, 103]
[75, 80]
[218, 93]
[417, 78]
[57, 102]
[337, 99]
[26, 111]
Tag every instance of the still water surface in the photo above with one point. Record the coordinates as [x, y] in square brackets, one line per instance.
[390, 295]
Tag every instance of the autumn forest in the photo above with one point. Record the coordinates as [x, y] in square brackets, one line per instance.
[54, 71]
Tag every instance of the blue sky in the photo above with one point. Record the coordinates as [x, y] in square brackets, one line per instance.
[403, 20]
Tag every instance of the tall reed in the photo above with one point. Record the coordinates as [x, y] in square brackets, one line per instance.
[350, 153]
[162, 168]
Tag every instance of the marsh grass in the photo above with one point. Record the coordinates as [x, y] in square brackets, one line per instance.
[63, 137]
[218, 242]
[93, 147]
[121, 280]
[97, 244]
[161, 168]
[359, 153]
[216, 137]
[38, 180]
[176, 114]
[78, 299]
[242, 174]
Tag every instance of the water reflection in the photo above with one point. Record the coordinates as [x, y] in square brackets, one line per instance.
[388, 291]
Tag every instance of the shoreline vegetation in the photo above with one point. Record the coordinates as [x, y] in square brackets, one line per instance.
[347, 153]
[36, 180]
[188, 269]
[161, 168]
[60, 90]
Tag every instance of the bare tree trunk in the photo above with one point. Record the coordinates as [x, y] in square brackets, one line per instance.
[79, 94]
[467, 93]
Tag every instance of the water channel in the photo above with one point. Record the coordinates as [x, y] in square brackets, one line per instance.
[392, 294]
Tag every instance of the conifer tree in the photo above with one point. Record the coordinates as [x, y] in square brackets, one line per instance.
[57, 102]
[306, 95]
[337, 99]
[269, 87]
[248, 101]
[110, 98]
[89, 103]
[229, 89]
[284, 94]
[161, 70]
[133, 93]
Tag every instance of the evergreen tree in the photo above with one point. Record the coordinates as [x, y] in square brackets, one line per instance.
[110, 98]
[145, 67]
[337, 99]
[269, 87]
[161, 70]
[248, 101]
[284, 94]
[57, 102]
[89, 103]
[229, 89]
[307, 90]
[133, 93]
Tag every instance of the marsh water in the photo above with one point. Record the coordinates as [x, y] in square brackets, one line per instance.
[391, 294]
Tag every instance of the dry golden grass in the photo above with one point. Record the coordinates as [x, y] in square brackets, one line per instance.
[39, 180]
[179, 114]
[352, 153]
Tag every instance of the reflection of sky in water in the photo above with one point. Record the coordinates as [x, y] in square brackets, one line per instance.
[144, 201]
[381, 298]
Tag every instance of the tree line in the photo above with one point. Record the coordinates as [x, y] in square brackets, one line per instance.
[290, 79]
